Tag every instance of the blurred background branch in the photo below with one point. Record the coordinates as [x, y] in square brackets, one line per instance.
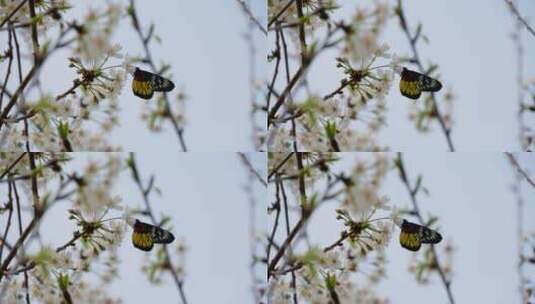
[522, 20]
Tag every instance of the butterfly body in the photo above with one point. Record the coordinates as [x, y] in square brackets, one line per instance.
[412, 84]
[412, 236]
[146, 235]
[146, 83]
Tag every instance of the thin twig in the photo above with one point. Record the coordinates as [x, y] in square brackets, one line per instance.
[277, 16]
[35, 40]
[520, 18]
[10, 54]
[523, 172]
[6, 231]
[526, 139]
[71, 90]
[252, 169]
[287, 222]
[248, 12]
[19, 217]
[277, 167]
[33, 71]
[517, 191]
[17, 246]
[8, 169]
[21, 4]
[301, 26]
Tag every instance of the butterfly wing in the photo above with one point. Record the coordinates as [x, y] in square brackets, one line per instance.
[161, 84]
[142, 88]
[410, 89]
[429, 84]
[162, 236]
[142, 240]
[430, 236]
[409, 84]
[410, 240]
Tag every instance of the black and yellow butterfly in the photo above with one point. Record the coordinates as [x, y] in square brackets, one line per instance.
[146, 83]
[146, 235]
[412, 236]
[412, 84]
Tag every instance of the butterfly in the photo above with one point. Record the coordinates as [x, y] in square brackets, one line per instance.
[412, 84]
[412, 236]
[146, 83]
[146, 235]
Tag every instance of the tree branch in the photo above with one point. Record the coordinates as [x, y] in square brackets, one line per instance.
[252, 169]
[523, 172]
[520, 18]
[253, 19]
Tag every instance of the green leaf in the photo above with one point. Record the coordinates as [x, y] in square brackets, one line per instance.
[63, 129]
[418, 184]
[330, 129]
[63, 281]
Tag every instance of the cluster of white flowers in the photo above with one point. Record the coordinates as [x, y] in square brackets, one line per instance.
[94, 42]
[314, 10]
[96, 193]
[49, 266]
[366, 25]
[366, 182]
[354, 275]
[47, 12]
